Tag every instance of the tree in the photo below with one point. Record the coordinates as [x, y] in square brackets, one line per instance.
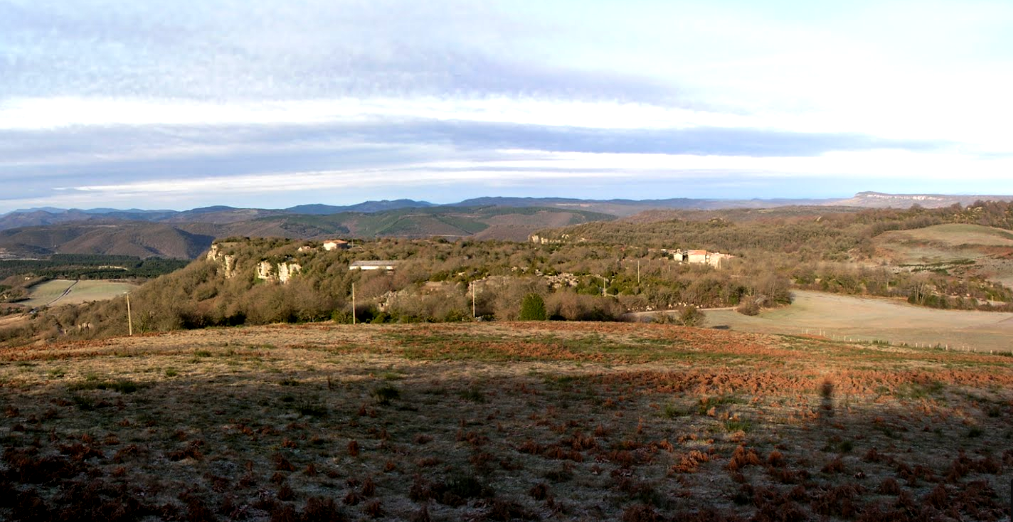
[532, 308]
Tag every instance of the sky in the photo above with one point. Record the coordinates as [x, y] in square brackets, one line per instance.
[253, 103]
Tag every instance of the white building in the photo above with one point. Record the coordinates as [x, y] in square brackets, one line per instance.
[332, 244]
[373, 265]
[701, 257]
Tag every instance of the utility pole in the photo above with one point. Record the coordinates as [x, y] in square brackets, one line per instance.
[473, 285]
[130, 319]
[353, 303]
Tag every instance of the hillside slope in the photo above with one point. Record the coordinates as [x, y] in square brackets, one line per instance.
[186, 235]
[116, 238]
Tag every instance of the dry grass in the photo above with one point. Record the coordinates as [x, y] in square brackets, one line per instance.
[988, 248]
[869, 319]
[524, 421]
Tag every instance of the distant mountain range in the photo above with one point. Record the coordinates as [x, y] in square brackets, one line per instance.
[615, 207]
[881, 200]
[184, 234]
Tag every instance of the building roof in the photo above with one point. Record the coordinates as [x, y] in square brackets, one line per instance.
[374, 263]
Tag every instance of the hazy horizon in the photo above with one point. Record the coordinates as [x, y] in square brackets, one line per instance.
[271, 105]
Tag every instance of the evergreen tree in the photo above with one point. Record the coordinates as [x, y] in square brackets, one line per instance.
[532, 308]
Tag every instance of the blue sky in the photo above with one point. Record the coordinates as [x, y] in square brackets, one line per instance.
[116, 103]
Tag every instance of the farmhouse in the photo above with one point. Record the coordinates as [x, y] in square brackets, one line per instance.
[333, 244]
[539, 240]
[701, 257]
[373, 265]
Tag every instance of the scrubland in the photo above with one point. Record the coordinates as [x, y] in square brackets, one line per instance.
[501, 421]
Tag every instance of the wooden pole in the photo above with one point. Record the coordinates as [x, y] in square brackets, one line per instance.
[473, 285]
[130, 319]
[353, 303]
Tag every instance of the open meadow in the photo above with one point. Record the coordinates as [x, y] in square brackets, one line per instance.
[64, 291]
[872, 319]
[954, 248]
[501, 421]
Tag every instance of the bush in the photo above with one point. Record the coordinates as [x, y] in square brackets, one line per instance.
[385, 394]
[691, 316]
[664, 318]
[532, 308]
[571, 306]
[748, 307]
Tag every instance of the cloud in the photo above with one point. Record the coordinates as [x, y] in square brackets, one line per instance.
[526, 167]
[117, 96]
[49, 113]
[272, 50]
[84, 145]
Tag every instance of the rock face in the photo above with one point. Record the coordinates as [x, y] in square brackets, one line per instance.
[287, 270]
[881, 200]
[266, 270]
[281, 272]
[228, 262]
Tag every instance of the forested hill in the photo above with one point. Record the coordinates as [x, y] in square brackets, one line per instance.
[186, 240]
[619, 267]
[811, 232]
[142, 240]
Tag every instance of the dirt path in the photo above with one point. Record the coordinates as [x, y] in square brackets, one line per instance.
[65, 293]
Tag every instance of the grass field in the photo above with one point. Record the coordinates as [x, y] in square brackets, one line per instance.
[876, 319]
[956, 249]
[942, 243]
[501, 421]
[953, 235]
[53, 292]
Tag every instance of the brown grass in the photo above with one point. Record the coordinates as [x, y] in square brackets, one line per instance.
[500, 422]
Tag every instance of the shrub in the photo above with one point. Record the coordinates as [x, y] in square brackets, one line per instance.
[570, 306]
[664, 318]
[532, 308]
[385, 394]
[691, 316]
[748, 307]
